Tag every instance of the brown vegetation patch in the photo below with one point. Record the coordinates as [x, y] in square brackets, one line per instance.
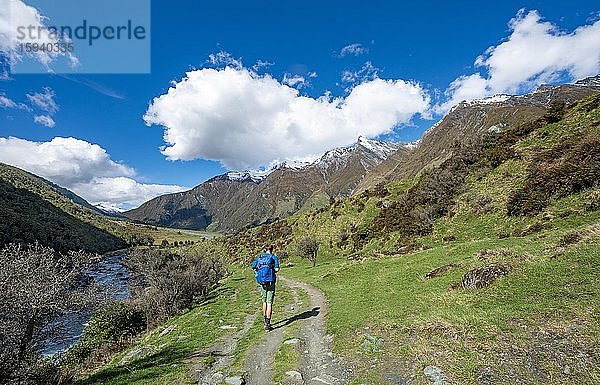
[440, 271]
[483, 276]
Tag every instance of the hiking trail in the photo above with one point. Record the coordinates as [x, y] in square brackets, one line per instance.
[317, 364]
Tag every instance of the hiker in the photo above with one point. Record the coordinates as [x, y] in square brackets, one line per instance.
[265, 267]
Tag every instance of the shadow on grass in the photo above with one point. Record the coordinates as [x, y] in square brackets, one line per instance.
[145, 370]
[304, 315]
[212, 296]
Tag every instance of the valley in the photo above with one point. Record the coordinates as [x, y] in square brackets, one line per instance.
[470, 257]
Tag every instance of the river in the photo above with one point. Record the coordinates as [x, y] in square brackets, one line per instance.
[110, 273]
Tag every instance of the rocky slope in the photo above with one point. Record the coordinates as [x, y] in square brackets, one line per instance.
[469, 121]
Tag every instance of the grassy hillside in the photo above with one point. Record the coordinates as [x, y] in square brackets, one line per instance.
[33, 209]
[485, 266]
[525, 200]
[28, 218]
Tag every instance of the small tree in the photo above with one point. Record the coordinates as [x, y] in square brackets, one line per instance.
[38, 287]
[308, 248]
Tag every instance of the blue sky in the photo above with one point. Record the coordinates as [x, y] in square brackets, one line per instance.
[425, 44]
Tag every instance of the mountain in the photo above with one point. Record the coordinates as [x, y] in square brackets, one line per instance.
[34, 209]
[245, 199]
[471, 120]
[240, 199]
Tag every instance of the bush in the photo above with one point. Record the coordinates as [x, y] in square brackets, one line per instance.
[569, 167]
[166, 283]
[38, 287]
[308, 248]
[114, 323]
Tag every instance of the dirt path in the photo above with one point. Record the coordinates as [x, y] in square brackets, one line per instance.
[223, 350]
[318, 365]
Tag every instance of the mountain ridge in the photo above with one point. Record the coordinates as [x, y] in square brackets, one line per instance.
[236, 200]
[247, 198]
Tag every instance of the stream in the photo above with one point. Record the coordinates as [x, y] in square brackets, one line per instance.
[110, 273]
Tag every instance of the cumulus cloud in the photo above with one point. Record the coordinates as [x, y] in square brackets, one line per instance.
[223, 59]
[246, 120]
[15, 13]
[44, 120]
[82, 167]
[355, 49]
[536, 52]
[44, 100]
[121, 192]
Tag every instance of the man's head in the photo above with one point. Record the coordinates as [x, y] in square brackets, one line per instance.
[269, 249]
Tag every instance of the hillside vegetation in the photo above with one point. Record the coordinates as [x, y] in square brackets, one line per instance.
[34, 209]
[482, 269]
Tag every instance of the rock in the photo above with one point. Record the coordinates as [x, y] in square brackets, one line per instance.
[294, 376]
[324, 379]
[136, 353]
[291, 341]
[567, 370]
[372, 344]
[436, 375]
[439, 271]
[227, 327]
[235, 380]
[167, 330]
[216, 378]
[289, 264]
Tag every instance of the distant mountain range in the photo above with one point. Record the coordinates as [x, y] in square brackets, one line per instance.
[236, 200]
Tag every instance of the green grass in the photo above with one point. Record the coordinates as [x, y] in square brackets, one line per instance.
[171, 356]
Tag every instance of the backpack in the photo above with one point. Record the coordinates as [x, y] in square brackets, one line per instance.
[265, 269]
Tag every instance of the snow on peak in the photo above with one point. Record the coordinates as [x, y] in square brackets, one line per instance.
[109, 208]
[254, 175]
[499, 98]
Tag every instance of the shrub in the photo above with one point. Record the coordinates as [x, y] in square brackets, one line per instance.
[114, 323]
[166, 283]
[38, 287]
[308, 248]
[568, 167]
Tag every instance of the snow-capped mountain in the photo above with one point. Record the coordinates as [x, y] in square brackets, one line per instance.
[244, 198]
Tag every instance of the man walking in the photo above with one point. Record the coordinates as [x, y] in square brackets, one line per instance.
[265, 267]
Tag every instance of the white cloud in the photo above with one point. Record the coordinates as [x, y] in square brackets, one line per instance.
[367, 72]
[297, 81]
[536, 52]
[7, 102]
[355, 49]
[44, 120]
[121, 192]
[44, 100]
[82, 167]
[15, 14]
[223, 59]
[246, 120]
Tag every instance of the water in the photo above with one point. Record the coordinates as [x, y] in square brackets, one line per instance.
[109, 273]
